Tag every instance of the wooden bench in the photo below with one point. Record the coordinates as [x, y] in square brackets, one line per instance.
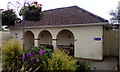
[69, 49]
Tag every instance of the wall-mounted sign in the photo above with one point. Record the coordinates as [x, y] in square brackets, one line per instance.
[97, 39]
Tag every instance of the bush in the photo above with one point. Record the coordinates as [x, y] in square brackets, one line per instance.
[36, 57]
[61, 61]
[11, 55]
[83, 66]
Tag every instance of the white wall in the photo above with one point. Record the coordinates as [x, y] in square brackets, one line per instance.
[19, 34]
[85, 45]
[4, 35]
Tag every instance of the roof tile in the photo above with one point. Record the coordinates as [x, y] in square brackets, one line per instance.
[65, 16]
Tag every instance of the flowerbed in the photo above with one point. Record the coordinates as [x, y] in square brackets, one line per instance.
[36, 57]
[39, 59]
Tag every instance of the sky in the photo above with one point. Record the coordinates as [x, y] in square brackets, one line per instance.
[100, 8]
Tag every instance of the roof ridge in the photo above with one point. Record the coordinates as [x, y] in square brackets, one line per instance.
[60, 8]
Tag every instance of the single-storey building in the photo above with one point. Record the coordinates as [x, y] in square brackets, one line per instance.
[71, 28]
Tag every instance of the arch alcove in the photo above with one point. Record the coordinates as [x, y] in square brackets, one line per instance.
[29, 39]
[65, 40]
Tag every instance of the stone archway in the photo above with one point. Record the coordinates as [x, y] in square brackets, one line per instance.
[66, 41]
[45, 38]
[29, 39]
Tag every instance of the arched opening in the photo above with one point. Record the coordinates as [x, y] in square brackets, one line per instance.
[29, 39]
[66, 41]
[45, 39]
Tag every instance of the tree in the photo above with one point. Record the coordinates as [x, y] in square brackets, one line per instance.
[115, 16]
[115, 20]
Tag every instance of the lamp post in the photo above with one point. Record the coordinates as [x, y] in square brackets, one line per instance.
[119, 35]
[16, 6]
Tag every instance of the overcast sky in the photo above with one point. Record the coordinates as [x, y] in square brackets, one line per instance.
[98, 7]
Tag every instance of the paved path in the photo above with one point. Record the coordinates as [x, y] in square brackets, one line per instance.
[109, 63]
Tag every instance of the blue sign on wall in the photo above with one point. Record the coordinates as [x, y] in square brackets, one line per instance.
[97, 39]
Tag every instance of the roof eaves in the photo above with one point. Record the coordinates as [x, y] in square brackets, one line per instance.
[72, 25]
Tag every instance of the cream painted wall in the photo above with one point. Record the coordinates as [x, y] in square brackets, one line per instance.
[85, 45]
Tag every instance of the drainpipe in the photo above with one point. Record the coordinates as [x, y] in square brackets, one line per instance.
[119, 46]
[0, 22]
[23, 32]
[119, 36]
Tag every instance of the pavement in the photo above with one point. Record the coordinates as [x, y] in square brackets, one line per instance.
[108, 63]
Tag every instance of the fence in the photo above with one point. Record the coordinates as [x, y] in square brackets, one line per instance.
[111, 43]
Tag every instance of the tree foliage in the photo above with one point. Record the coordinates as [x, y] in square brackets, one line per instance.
[115, 16]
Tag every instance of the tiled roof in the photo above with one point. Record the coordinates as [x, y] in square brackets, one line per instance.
[65, 16]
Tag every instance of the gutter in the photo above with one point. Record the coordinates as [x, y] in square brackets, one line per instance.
[71, 25]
